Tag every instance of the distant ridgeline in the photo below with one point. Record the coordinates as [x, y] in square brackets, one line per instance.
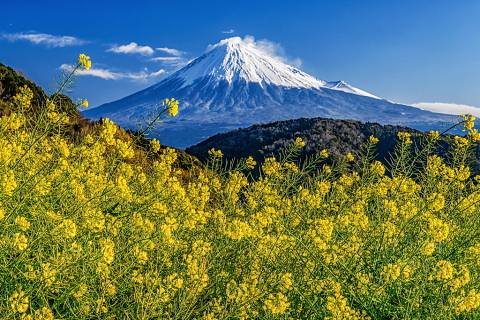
[338, 137]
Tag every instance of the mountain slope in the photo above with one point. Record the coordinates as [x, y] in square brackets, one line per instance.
[234, 84]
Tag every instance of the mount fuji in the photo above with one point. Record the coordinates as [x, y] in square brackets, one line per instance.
[237, 84]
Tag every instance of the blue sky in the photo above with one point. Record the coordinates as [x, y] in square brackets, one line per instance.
[404, 51]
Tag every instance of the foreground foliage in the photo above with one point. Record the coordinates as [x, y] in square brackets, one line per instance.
[85, 233]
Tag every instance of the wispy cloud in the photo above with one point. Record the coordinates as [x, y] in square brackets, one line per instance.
[155, 74]
[132, 48]
[45, 39]
[447, 108]
[106, 74]
[172, 63]
[173, 52]
[230, 31]
[166, 59]
[273, 49]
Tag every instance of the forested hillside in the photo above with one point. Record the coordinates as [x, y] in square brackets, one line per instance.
[338, 137]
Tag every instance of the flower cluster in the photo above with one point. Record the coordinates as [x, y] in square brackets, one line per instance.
[172, 106]
[84, 62]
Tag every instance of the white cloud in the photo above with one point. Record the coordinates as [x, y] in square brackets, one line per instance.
[106, 74]
[159, 72]
[269, 48]
[165, 59]
[132, 48]
[171, 62]
[230, 31]
[173, 52]
[102, 73]
[46, 39]
[447, 108]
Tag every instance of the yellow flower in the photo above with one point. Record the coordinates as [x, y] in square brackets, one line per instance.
[100, 306]
[125, 149]
[378, 168]
[434, 135]
[286, 282]
[337, 305]
[444, 270]
[215, 153]
[155, 145]
[373, 140]
[474, 135]
[349, 157]
[20, 241]
[109, 288]
[299, 142]
[428, 248]
[250, 163]
[404, 137]
[462, 277]
[12, 122]
[172, 106]
[84, 61]
[24, 97]
[107, 247]
[44, 313]
[468, 121]
[178, 283]
[436, 201]
[276, 303]
[48, 274]
[291, 166]
[67, 229]
[23, 223]
[103, 270]
[89, 139]
[141, 255]
[391, 272]
[238, 229]
[9, 184]
[471, 301]
[271, 166]
[460, 141]
[324, 153]
[82, 289]
[19, 302]
[437, 229]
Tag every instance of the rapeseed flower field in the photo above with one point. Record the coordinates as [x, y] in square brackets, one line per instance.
[86, 233]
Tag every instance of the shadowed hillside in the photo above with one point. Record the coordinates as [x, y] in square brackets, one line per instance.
[78, 126]
[338, 137]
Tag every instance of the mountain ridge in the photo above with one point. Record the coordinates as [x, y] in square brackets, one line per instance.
[339, 137]
[234, 84]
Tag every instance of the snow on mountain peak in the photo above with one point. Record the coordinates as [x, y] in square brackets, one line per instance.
[236, 59]
[228, 41]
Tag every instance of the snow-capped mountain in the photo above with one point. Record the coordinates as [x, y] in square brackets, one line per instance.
[236, 84]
